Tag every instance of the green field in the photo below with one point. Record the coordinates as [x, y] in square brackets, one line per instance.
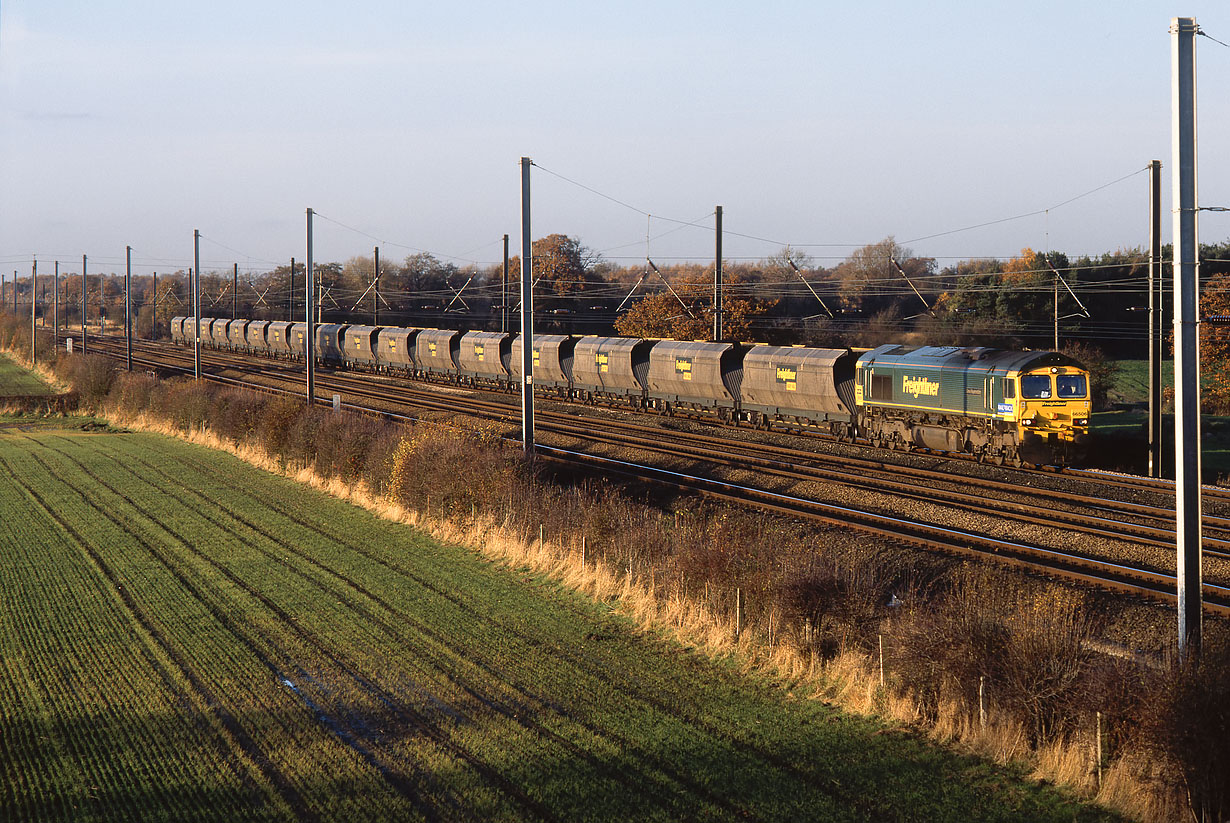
[1123, 430]
[188, 638]
[16, 381]
[1131, 380]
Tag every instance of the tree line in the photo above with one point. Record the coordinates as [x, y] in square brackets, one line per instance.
[879, 293]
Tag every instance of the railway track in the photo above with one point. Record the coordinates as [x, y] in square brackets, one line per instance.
[1143, 524]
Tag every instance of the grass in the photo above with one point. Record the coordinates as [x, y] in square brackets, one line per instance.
[1124, 430]
[187, 637]
[1131, 381]
[17, 381]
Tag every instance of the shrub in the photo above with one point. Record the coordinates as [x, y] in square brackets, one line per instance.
[454, 469]
[1029, 642]
[1183, 716]
[92, 375]
[130, 394]
[277, 417]
[236, 414]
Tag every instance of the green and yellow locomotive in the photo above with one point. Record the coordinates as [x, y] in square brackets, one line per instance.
[1000, 406]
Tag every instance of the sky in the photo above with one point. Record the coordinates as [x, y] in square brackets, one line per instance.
[821, 125]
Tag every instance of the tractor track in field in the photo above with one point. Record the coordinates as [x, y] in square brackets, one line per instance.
[498, 704]
[204, 695]
[409, 717]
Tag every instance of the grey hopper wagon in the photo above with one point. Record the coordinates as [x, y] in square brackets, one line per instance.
[256, 336]
[799, 385]
[695, 375]
[395, 348]
[483, 356]
[237, 334]
[277, 338]
[611, 367]
[330, 338]
[215, 331]
[361, 346]
[435, 352]
[553, 357]
[296, 339]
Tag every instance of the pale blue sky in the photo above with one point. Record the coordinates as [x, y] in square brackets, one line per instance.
[134, 122]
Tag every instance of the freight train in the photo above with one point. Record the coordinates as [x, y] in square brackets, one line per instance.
[994, 405]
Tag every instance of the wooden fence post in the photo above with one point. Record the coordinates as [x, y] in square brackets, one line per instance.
[881, 661]
[738, 613]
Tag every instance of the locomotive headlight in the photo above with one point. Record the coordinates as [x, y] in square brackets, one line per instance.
[1083, 421]
[1028, 421]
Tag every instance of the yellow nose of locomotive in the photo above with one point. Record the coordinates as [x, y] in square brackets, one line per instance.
[1054, 407]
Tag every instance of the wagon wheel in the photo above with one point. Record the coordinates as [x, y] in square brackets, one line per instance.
[998, 460]
[1017, 462]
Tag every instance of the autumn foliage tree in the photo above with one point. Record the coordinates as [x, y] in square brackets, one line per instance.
[1215, 345]
[690, 315]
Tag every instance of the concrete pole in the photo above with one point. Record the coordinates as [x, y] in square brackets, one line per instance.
[527, 315]
[55, 312]
[234, 290]
[196, 297]
[1186, 334]
[717, 277]
[1056, 311]
[1155, 318]
[128, 305]
[504, 291]
[154, 288]
[376, 287]
[84, 305]
[290, 298]
[309, 347]
[33, 306]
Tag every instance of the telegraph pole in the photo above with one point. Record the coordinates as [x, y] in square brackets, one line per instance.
[309, 348]
[1155, 318]
[196, 296]
[155, 312]
[717, 277]
[527, 315]
[1186, 335]
[128, 305]
[55, 315]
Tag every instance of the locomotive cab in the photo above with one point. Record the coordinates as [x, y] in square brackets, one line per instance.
[1052, 412]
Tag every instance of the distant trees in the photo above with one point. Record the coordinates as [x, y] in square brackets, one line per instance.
[787, 297]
